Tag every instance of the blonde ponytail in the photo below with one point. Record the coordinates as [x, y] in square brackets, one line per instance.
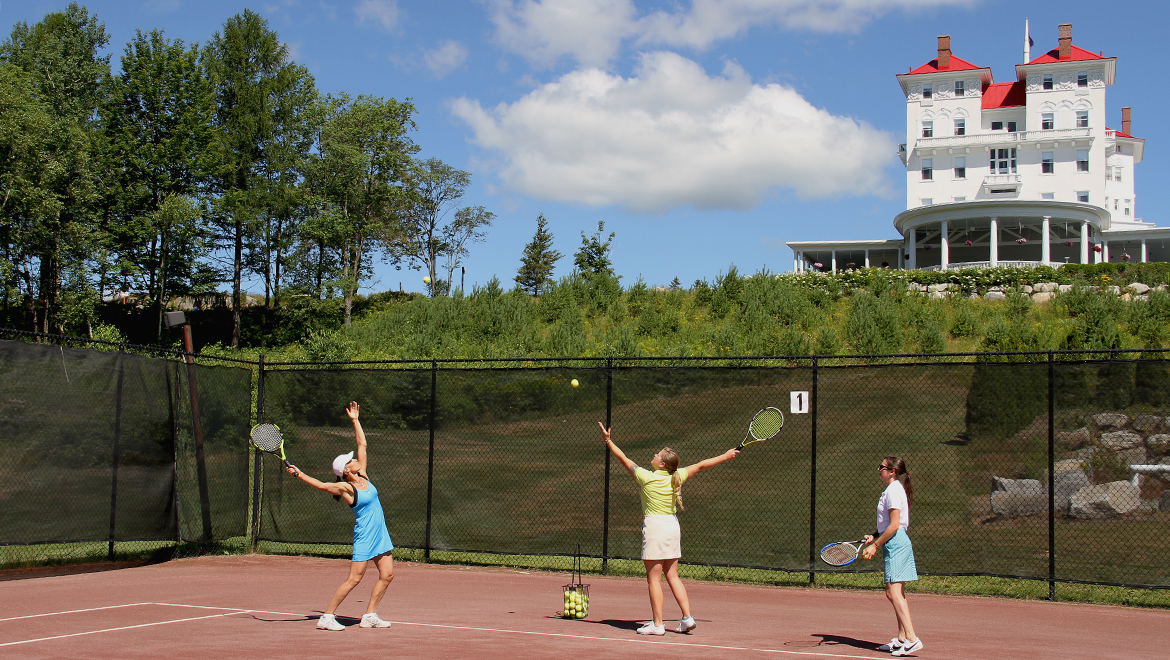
[670, 462]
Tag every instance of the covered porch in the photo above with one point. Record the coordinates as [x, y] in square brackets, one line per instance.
[832, 256]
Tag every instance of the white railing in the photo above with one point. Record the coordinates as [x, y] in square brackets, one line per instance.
[955, 265]
[1001, 179]
[1146, 469]
[1005, 138]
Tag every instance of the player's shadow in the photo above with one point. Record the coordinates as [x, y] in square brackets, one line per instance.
[620, 624]
[846, 641]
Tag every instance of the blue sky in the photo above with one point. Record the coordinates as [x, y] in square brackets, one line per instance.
[704, 133]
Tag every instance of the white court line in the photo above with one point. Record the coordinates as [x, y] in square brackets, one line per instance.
[234, 611]
[91, 609]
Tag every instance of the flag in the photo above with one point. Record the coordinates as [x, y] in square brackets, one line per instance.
[1030, 42]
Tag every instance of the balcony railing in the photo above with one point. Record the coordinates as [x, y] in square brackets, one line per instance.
[954, 265]
[1001, 180]
[1018, 137]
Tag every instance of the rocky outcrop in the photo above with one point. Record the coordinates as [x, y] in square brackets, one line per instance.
[1104, 500]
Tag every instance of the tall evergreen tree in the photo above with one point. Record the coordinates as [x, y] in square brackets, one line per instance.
[593, 257]
[536, 266]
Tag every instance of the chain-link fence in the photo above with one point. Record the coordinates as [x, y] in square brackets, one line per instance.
[1049, 466]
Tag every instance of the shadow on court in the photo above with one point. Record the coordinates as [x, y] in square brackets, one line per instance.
[839, 640]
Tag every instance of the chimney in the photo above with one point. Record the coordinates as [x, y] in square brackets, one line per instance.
[944, 51]
[1125, 121]
[1065, 41]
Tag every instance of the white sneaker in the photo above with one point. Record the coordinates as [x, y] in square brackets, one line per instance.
[651, 629]
[908, 647]
[686, 625]
[895, 643]
[328, 622]
[373, 621]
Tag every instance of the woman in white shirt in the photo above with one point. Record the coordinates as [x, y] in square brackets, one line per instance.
[893, 519]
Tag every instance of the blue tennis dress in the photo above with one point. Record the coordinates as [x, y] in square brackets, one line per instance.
[370, 537]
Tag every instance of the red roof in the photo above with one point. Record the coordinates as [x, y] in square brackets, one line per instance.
[1123, 135]
[932, 67]
[1077, 54]
[1004, 95]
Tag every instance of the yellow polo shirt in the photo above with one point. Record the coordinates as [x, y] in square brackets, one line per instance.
[656, 491]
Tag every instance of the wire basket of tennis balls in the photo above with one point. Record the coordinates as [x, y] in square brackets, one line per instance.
[576, 594]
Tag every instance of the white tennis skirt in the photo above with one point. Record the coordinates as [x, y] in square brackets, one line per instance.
[661, 537]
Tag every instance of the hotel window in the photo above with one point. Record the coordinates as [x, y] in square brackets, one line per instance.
[1047, 163]
[960, 127]
[1082, 160]
[1127, 207]
[1116, 174]
[927, 129]
[1047, 121]
[1108, 175]
[1011, 127]
[928, 91]
[1083, 196]
[927, 169]
[1083, 79]
[960, 167]
[1047, 195]
[960, 92]
[927, 201]
[1082, 118]
[997, 125]
[1006, 160]
[1047, 81]
[1115, 205]
[960, 199]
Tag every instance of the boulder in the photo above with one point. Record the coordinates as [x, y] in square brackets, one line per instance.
[995, 295]
[1135, 456]
[1085, 453]
[938, 294]
[1065, 485]
[1162, 287]
[1118, 440]
[1159, 444]
[915, 286]
[1104, 500]
[1017, 486]
[1064, 288]
[1026, 289]
[1073, 439]
[1105, 421]
[1127, 297]
[1012, 505]
[1146, 423]
[1041, 297]
[938, 287]
[1138, 287]
[1045, 287]
[1141, 296]
[1115, 290]
[1068, 465]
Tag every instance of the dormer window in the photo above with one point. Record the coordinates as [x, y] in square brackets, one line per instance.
[960, 92]
[960, 127]
[997, 125]
[1047, 84]
[928, 91]
[1083, 79]
[927, 129]
[1047, 121]
[1082, 118]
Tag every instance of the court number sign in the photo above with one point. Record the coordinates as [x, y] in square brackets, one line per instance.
[799, 402]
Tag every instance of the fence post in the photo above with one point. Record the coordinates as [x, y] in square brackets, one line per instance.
[1051, 478]
[257, 464]
[117, 451]
[197, 434]
[608, 424]
[431, 460]
[812, 499]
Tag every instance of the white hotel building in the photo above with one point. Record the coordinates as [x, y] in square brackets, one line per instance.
[1013, 173]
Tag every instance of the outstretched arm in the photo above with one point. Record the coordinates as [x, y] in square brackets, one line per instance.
[692, 470]
[333, 488]
[360, 456]
[621, 456]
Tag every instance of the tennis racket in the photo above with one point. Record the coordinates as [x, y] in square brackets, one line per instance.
[267, 438]
[765, 425]
[841, 553]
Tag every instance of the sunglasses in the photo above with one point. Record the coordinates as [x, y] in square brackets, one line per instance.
[883, 466]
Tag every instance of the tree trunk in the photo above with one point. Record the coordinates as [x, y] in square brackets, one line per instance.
[237, 267]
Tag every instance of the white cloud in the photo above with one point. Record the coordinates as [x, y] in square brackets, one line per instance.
[449, 56]
[592, 31]
[382, 12]
[673, 136]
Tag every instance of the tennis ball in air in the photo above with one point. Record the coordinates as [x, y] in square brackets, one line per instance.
[426, 279]
[574, 382]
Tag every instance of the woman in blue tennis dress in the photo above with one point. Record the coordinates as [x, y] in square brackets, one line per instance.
[371, 540]
[893, 519]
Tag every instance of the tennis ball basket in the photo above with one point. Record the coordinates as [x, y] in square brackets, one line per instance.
[576, 594]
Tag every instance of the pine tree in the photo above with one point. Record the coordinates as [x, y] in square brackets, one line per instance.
[536, 266]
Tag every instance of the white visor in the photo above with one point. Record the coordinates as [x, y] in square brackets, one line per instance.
[339, 463]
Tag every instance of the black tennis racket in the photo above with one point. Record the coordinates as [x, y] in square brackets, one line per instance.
[841, 553]
[765, 425]
[267, 438]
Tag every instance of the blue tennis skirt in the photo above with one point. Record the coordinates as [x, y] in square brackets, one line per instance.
[898, 554]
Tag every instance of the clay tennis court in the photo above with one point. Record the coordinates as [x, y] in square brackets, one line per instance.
[267, 607]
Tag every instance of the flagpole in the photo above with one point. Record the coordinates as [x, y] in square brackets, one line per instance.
[1027, 43]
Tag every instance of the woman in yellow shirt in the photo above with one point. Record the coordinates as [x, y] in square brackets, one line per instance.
[661, 537]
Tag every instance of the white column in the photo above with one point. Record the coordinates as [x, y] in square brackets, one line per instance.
[1105, 251]
[1046, 246]
[795, 261]
[867, 254]
[993, 239]
[833, 254]
[1144, 253]
[945, 245]
[1084, 242]
[912, 249]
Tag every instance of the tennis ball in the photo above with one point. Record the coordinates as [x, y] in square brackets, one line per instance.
[574, 382]
[426, 279]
